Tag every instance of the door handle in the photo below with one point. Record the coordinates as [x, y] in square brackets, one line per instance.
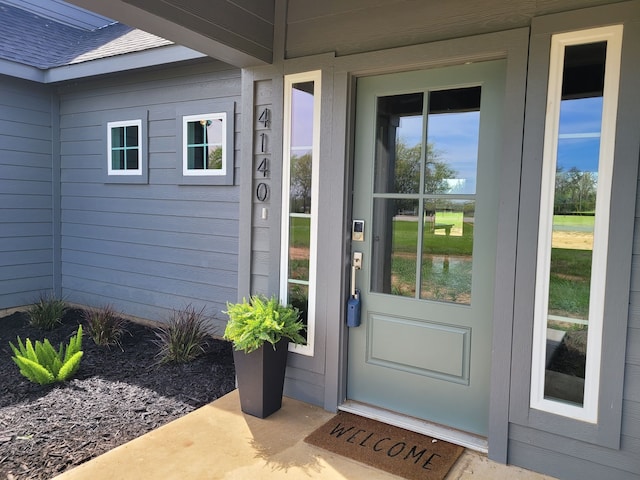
[353, 304]
[356, 264]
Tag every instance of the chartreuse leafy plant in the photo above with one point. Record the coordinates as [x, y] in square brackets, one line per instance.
[42, 364]
[261, 320]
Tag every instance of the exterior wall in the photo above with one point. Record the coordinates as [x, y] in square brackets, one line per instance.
[345, 41]
[557, 445]
[27, 115]
[148, 248]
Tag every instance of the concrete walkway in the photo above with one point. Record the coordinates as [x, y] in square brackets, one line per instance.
[217, 441]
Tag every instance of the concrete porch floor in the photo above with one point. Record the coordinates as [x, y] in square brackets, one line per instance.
[217, 441]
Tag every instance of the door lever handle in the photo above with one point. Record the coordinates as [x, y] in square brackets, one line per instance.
[356, 264]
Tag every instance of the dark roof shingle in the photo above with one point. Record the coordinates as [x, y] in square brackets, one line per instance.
[44, 43]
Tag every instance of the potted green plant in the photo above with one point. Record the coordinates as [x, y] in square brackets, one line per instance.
[261, 330]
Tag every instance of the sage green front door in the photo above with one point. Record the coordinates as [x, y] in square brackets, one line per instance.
[427, 158]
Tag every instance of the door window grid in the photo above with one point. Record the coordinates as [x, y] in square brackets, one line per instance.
[424, 194]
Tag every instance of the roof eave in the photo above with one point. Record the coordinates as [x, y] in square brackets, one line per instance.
[121, 63]
[20, 70]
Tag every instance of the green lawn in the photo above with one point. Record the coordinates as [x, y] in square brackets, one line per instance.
[574, 220]
[570, 268]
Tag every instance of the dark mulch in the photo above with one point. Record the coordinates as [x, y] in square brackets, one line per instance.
[116, 395]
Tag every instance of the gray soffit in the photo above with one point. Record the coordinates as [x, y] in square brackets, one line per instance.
[46, 50]
[237, 32]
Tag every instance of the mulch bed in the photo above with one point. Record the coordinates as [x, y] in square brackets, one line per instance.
[116, 396]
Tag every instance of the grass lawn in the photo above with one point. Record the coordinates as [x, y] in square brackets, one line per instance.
[570, 268]
[574, 220]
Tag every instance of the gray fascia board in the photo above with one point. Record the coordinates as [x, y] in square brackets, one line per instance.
[120, 63]
[20, 70]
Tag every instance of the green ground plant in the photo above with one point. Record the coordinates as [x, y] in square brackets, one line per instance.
[47, 312]
[184, 337]
[43, 364]
[104, 325]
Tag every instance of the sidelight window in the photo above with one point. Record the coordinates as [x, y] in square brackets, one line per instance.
[574, 222]
[300, 197]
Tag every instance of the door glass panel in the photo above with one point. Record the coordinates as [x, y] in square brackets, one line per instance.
[452, 148]
[447, 248]
[424, 194]
[399, 144]
[299, 205]
[395, 237]
[574, 206]
[299, 234]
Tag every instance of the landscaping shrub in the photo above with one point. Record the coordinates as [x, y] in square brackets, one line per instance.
[104, 325]
[42, 364]
[184, 337]
[47, 312]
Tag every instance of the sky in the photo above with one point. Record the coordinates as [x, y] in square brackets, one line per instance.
[455, 139]
[579, 135]
[455, 135]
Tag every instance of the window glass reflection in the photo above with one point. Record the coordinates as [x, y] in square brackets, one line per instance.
[300, 194]
[204, 144]
[447, 249]
[299, 238]
[574, 205]
[394, 259]
[424, 205]
[453, 136]
[399, 144]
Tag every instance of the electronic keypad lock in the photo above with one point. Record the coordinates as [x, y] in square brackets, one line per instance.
[357, 231]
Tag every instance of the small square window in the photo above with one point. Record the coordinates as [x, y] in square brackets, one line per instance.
[124, 147]
[205, 144]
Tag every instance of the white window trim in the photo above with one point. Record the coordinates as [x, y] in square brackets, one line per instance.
[204, 172]
[613, 36]
[124, 123]
[289, 80]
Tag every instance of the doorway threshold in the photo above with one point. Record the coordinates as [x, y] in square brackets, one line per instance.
[441, 432]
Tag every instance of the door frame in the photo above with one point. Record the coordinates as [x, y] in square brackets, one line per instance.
[510, 45]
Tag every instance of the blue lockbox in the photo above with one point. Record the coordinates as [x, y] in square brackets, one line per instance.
[353, 310]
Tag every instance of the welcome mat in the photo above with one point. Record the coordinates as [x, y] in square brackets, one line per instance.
[385, 447]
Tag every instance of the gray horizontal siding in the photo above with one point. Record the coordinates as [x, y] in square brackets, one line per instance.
[354, 26]
[26, 229]
[146, 249]
[262, 256]
[558, 464]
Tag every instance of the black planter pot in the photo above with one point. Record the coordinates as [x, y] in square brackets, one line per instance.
[260, 376]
